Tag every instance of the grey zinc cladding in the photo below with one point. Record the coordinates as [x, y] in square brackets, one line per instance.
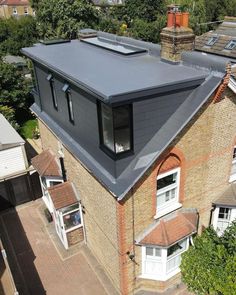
[112, 77]
[176, 92]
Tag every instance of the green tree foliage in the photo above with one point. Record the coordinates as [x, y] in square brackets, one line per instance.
[63, 18]
[17, 33]
[14, 92]
[209, 266]
[9, 114]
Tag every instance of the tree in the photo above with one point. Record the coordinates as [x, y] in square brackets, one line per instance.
[14, 92]
[63, 18]
[17, 33]
[9, 114]
[209, 266]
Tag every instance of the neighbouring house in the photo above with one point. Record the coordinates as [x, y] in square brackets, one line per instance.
[222, 42]
[18, 182]
[144, 134]
[15, 8]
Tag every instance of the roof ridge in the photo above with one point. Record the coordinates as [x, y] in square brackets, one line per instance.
[164, 232]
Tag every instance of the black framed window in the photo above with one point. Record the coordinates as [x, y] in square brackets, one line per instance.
[66, 89]
[116, 128]
[53, 91]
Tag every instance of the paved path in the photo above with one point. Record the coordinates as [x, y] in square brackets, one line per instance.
[37, 264]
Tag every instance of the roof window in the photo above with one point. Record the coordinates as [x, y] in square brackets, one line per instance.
[54, 41]
[114, 46]
[211, 41]
[231, 45]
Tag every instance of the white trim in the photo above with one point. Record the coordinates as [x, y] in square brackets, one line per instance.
[172, 204]
[216, 218]
[161, 264]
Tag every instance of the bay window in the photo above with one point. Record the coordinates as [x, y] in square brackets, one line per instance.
[162, 263]
[115, 128]
[168, 191]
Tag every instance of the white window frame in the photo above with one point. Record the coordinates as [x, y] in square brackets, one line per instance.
[230, 45]
[14, 10]
[46, 197]
[160, 264]
[26, 10]
[172, 204]
[216, 219]
[211, 41]
[232, 177]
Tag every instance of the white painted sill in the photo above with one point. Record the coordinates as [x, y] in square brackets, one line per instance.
[167, 210]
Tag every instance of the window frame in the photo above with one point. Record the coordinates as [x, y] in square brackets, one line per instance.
[113, 154]
[14, 10]
[163, 260]
[66, 88]
[26, 10]
[232, 176]
[228, 45]
[171, 204]
[211, 41]
[51, 81]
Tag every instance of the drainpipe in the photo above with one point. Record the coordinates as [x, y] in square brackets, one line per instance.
[63, 170]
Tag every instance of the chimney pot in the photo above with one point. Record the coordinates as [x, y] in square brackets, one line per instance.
[170, 19]
[185, 19]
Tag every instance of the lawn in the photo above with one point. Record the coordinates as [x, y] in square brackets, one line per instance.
[28, 128]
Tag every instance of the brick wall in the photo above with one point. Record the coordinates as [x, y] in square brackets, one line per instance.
[205, 152]
[75, 236]
[99, 206]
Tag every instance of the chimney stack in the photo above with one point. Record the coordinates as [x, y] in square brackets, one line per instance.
[177, 36]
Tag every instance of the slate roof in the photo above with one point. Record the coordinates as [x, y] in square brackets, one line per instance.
[171, 229]
[63, 195]
[8, 135]
[228, 197]
[114, 78]
[46, 164]
[224, 33]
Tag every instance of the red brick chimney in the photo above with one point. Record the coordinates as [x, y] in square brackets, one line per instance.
[177, 36]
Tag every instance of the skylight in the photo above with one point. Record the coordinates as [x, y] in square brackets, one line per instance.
[211, 41]
[120, 48]
[231, 45]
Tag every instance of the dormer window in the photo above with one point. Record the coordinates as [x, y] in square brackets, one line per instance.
[231, 45]
[211, 41]
[66, 89]
[53, 91]
[115, 128]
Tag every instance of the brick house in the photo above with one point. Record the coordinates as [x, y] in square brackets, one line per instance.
[15, 8]
[146, 135]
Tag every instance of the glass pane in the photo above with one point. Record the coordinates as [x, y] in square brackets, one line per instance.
[72, 219]
[122, 128]
[224, 213]
[53, 183]
[157, 252]
[149, 251]
[166, 196]
[179, 247]
[71, 114]
[69, 208]
[107, 127]
[166, 181]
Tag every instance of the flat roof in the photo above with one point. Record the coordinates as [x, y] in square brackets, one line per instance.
[113, 77]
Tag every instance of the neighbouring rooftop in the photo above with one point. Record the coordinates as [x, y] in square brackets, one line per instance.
[8, 135]
[228, 197]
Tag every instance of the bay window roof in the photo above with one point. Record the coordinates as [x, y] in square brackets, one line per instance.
[171, 229]
[63, 195]
[46, 164]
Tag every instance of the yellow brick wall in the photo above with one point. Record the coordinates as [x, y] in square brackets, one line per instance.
[99, 206]
[207, 144]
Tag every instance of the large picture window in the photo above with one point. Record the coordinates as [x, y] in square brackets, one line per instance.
[115, 128]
